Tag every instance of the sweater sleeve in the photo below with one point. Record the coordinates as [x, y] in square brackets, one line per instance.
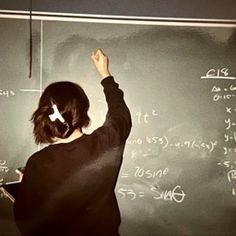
[118, 116]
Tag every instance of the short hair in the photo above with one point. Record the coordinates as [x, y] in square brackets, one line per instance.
[73, 105]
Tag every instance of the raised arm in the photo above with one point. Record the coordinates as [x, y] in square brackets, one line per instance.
[118, 116]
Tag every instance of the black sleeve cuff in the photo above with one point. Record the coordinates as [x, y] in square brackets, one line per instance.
[108, 80]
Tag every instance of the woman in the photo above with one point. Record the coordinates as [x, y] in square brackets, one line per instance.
[68, 186]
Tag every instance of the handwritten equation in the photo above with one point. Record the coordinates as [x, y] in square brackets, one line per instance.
[165, 143]
[176, 194]
[226, 93]
[230, 136]
[229, 123]
[146, 173]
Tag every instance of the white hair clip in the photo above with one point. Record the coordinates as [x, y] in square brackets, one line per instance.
[56, 114]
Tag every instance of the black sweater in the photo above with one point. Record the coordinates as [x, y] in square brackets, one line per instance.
[68, 188]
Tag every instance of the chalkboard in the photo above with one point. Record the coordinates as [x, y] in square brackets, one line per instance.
[179, 169]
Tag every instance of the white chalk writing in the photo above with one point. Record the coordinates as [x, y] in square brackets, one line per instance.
[230, 137]
[164, 142]
[227, 164]
[231, 175]
[228, 150]
[230, 110]
[130, 193]
[4, 169]
[144, 117]
[218, 97]
[229, 123]
[141, 172]
[222, 73]
[225, 93]
[176, 194]
[7, 93]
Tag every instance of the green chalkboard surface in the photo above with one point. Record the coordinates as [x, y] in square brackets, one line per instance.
[179, 171]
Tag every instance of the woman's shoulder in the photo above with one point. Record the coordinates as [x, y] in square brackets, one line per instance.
[38, 155]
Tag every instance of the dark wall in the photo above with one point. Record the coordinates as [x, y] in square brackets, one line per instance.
[217, 9]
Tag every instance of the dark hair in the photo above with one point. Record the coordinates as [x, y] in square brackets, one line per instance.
[73, 105]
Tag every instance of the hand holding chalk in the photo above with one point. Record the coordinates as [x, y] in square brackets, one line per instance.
[101, 63]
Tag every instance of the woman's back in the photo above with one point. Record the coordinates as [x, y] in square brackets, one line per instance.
[68, 188]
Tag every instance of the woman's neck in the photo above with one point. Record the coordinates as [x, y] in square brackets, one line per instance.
[76, 134]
